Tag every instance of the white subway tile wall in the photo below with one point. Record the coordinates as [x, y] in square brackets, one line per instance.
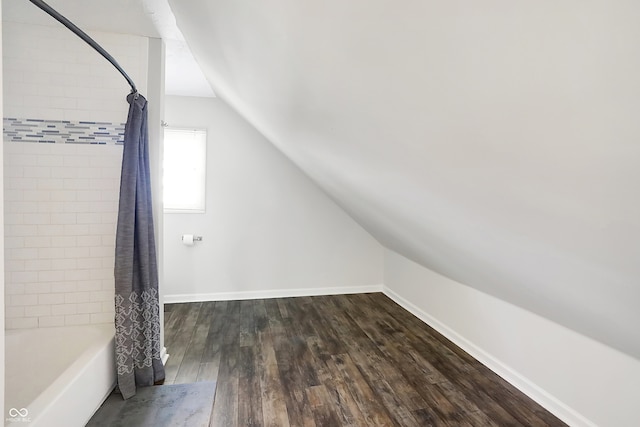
[49, 73]
[66, 273]
[61, 192]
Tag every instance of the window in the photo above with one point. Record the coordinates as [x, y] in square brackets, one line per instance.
[185, 154]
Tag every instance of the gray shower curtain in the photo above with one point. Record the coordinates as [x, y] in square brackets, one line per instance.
[137, 316]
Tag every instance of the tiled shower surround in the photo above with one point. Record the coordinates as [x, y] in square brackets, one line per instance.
[61, 201]
[62, 174]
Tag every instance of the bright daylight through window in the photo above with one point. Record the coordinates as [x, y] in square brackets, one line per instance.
[184, 170]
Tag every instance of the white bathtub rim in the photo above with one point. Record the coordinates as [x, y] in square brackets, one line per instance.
[41, 405]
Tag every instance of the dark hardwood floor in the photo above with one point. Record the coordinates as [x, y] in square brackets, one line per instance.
[348, 360]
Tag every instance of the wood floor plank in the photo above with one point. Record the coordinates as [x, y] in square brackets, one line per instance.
[190, 365]
[290, 352]
[468, 410]
[210, 358]
[218, 324]
[231, 332]
[319, 367]
[368, 402]
[342, 399]
[274, 409]
[225, 405]
[398, 366]
[439, 409]
[294, 386]
[180, 335]
[225, 410]
[305, 362]
[322, 407]
[319, 320]
[208, 371]
[346, 360]
[446, 363]
[247, 324]
[175, 320]
[249, 407]
[379, 374]
[477, 376]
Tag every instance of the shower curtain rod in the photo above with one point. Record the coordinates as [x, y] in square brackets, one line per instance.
[84, 36]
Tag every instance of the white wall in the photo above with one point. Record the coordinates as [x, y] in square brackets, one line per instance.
[582, 381]
[268, 230]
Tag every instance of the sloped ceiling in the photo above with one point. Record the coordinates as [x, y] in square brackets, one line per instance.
[495, 142]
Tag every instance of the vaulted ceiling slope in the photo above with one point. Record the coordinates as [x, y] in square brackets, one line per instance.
[495, 142]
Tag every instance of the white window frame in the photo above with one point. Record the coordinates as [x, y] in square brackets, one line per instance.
[193, 169]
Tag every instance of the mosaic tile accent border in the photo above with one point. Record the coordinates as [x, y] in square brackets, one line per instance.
[62, 131]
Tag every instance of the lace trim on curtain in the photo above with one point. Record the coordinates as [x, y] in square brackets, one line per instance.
[138, 326]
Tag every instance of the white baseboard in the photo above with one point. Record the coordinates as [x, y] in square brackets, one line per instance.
[549, 402]
[265, 294]
[164, 356]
